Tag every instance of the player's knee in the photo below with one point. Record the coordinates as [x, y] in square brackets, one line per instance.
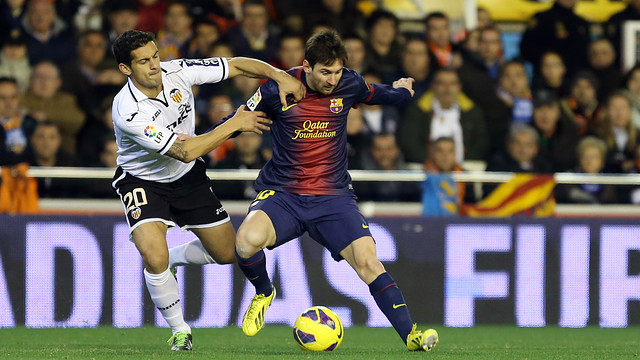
[249, 241]
[156, 263]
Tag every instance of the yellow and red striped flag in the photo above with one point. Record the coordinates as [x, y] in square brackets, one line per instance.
[524, 194]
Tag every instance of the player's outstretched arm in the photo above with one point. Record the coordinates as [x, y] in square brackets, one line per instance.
[404, 83]
[287, 84]
[399, 92]
[189, 149]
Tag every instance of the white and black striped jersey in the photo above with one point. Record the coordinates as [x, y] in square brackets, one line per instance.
[146, 127]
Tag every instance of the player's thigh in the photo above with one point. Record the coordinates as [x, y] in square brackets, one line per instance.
[361, 255]
[150, 240]
[256, 232]
[219, 242]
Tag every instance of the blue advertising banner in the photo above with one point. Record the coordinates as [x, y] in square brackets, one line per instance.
[82, 271]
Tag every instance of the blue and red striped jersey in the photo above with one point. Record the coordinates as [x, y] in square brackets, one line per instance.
[310, 137]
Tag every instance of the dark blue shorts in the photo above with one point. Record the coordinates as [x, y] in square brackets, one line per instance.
[334, 221]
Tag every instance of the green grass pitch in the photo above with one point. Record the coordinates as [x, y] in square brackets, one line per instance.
[276, 342]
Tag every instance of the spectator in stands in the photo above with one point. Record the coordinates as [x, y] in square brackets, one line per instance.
[471, 42]
[443, 53]
[45, 150]
[224, 13]
[558, 134]
[444, 111]
[173, 39]
[592, 153]
[80, 74]
[122, 15]
[341, 15]
[291, 51]
[619, 133]
[109, 152]
[440, 194]
[484, 18]
[479, 77]
[558, 29]
[552, 75]
[384, 154]
[45, 101]
[245, 155]
[205, 35]
[602, 63]
[632, 83]
[415, 64]
[523, 145]
[613, 27]
[151, 15]
[48, 36]
[218, 108]
[357, 51]
[514, 91]
[378, 118]
[14, 61]
[16, 124]
[99, 124]
[582, 105]
[11, 15]
[383, 48]
[254, 36]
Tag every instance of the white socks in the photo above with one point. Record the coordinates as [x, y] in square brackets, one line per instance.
[163, 289]
[191, 253]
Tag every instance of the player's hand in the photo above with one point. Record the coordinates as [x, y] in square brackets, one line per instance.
[288, 85]
[406, 83]
[254, 121]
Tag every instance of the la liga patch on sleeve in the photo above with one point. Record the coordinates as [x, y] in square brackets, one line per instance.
[255, 100]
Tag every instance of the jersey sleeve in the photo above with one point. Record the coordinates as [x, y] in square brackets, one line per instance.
[262, 100]
[380, 94]
[200, 71]
[145, 133]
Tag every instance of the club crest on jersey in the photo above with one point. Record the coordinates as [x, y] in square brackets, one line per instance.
[336, 105]
[150, 131]
[176, 95]
[136, 212]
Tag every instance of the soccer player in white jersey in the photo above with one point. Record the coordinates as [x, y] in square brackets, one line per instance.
[160, 178]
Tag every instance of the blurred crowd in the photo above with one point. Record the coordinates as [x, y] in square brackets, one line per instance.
[563, 105]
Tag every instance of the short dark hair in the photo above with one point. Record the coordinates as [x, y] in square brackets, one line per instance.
[443, 139]
[435, 15]
[129, 41]
[324, 48]
[253, 2]
[10, 80]
[379, 15]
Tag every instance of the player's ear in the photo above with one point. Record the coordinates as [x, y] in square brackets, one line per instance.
[306, 66]
[125, 69]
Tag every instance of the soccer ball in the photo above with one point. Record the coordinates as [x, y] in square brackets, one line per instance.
[318, 329]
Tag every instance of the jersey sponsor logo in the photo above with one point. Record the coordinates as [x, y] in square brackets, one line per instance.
[200, 62]
[176, 95]
[313, 129]
[150, 131]
[184, 110]
[255, 100]
[336, 105]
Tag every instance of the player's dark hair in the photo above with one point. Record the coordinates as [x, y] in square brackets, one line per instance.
[127, 42]
[379, 15]
[324, 48]
[253, 2]
[10, 80]
[435, 15]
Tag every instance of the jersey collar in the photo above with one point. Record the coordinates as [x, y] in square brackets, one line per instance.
[140, 96]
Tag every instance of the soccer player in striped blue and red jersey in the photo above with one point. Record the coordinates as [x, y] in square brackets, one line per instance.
[306, 186]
